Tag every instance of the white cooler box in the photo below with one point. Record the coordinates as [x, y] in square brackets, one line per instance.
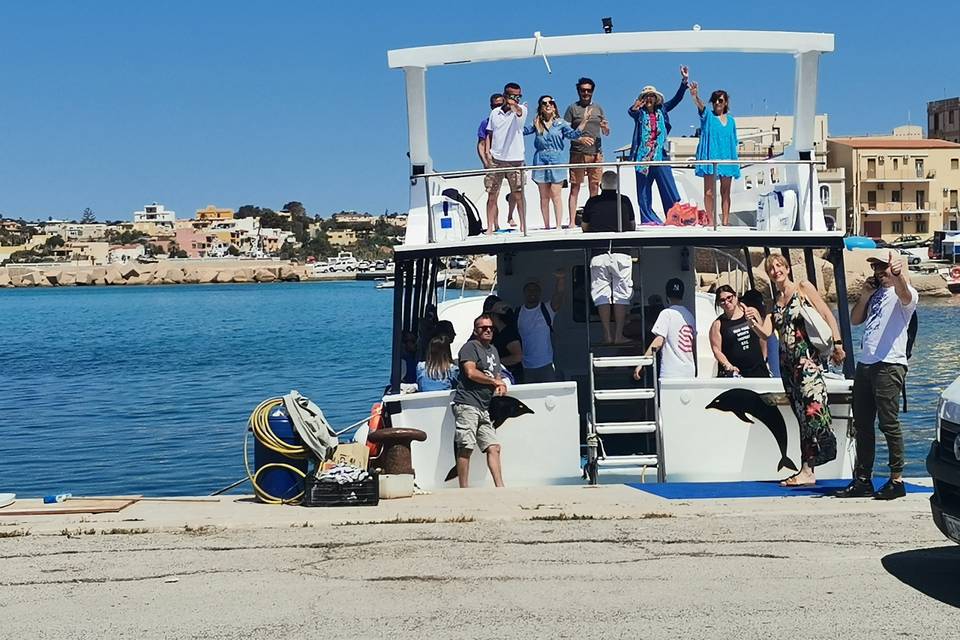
[777, 210]
[449, 221]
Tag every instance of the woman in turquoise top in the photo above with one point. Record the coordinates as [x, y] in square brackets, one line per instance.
[718, 141]
[550, 132]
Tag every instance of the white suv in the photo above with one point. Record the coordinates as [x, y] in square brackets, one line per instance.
[943, 464]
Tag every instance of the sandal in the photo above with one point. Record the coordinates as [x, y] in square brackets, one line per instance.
[792, 482]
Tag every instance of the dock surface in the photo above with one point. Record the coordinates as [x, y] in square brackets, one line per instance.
[556, 562]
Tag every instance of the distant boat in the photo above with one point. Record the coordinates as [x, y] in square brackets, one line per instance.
[385, 284]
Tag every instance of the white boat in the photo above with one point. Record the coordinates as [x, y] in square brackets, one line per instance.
[7, 499]
[656, 430]
[385, 284]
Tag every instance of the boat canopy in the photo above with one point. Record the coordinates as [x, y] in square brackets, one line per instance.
[805, 47]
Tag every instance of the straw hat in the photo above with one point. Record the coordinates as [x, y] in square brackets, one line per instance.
[651, 89]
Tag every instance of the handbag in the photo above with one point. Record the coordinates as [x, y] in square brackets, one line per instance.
[818, 329]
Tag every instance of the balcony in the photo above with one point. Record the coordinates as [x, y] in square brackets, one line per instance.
[895, 208]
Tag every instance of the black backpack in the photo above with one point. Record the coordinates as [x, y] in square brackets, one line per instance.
[912, 327]
[474, 226]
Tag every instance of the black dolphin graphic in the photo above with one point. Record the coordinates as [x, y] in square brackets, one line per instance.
[741, 402]
[502, 408]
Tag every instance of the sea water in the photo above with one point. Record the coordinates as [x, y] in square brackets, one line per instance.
[110, 390]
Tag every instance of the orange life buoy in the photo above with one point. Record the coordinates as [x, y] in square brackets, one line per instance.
[374, 422]
[955, 273]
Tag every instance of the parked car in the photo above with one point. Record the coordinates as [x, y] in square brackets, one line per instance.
[364, 265]
[380, 265]
[907, 242]
[910, 258]
[943, 464]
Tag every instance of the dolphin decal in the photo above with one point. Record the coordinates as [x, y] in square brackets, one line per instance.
[502, 408]
[744, 403]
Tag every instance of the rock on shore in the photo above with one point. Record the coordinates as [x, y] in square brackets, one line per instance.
[161, 273]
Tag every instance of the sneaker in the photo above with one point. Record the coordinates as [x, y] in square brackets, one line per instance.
[890, 491]
[858, 488]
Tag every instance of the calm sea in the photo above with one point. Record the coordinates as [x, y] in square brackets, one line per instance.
[147, 389]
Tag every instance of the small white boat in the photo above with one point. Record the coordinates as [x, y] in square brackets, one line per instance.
[385, 284]
[7, 499]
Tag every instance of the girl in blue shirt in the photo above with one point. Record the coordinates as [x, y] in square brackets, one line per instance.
[437, 372]
[550, 131]
[718, 141]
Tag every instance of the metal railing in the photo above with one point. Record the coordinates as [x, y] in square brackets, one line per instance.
[619, 166]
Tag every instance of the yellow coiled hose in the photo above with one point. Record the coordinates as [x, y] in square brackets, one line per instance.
[259, 424]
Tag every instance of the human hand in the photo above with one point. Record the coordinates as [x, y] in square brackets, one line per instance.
[869, 286]
[895, 262]
[751, 314]
[838, 355]
[586, 140]
[604, 126]
[694, 89]
[729, 368]
[684, 72]
[637, 372]
[500, 389]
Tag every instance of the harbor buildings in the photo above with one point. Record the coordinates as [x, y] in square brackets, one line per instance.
[898, 184]
[943, 119]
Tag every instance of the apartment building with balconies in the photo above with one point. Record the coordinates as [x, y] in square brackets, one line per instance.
[898, 185]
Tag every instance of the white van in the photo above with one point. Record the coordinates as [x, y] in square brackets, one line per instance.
[943, 464]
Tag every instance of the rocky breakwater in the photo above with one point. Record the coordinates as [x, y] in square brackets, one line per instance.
[480, 274]
[714, 269]
[161, 273]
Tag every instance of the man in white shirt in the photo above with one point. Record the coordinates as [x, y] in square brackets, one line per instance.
[886, 304]
[676, 334]
[506, 150]
[535, 325]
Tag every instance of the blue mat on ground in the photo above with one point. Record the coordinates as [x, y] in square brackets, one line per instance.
[768, 489]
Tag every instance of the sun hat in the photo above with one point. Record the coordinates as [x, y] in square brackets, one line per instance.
[651, 89]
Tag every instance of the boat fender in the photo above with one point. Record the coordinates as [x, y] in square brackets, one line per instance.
[374, 422]
[955, 273]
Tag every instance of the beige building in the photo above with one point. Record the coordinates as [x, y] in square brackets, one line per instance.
[212, 212]
[342, 237]
[943, 119]
[898, 185]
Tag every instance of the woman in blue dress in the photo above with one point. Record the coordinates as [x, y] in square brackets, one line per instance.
[718, 141]
[550, 132]
[437, 372]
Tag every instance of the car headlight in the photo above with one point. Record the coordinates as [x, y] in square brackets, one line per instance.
[939, 409]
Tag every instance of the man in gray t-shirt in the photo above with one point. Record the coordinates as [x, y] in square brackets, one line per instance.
[480, 379]
[585, 109]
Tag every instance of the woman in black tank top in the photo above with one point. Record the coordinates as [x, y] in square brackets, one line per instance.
[735, 345]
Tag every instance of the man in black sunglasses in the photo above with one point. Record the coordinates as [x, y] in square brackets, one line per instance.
[480, 379]
[506, 151]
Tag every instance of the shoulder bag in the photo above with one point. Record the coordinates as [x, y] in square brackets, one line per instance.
[818, 329]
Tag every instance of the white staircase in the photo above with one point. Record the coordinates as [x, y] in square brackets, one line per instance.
[641, 460]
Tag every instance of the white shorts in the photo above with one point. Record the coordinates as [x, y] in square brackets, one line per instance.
[611, 279]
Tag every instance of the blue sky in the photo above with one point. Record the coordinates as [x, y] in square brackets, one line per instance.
[111, 105]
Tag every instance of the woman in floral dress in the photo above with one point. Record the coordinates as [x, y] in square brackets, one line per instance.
[801, 368]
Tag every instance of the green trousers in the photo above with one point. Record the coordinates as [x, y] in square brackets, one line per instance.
[876, 396]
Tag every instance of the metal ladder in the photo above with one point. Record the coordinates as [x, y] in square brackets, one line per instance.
[596, 456]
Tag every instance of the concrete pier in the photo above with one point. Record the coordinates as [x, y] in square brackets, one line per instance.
[557, 562]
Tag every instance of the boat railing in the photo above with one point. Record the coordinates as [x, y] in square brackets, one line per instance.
[620, 166]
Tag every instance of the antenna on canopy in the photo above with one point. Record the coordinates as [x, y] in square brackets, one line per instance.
[539, 45]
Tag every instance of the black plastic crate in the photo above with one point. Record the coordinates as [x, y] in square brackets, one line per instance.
[365, 493]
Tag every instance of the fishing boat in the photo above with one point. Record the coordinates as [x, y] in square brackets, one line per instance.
[597, 422]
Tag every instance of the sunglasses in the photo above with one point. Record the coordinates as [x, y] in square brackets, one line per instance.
[546, 102]
[584, 90]
[514, 96]
[484, 328]
[720, 100]
[726, 299]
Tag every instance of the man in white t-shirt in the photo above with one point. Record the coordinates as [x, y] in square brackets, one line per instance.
[506, 149]
[535, 325]
[886, 304]
[676, 334]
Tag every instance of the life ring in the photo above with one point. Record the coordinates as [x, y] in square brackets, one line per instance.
[955, 273]
[374, 422]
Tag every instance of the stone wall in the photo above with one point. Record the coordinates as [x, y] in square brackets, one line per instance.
[161, 273]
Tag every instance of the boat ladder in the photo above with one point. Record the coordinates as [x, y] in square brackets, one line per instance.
[636, 430]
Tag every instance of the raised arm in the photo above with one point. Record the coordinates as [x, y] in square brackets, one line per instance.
[900, 282]
[675, 100]
[695, 93]
[763, 327]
